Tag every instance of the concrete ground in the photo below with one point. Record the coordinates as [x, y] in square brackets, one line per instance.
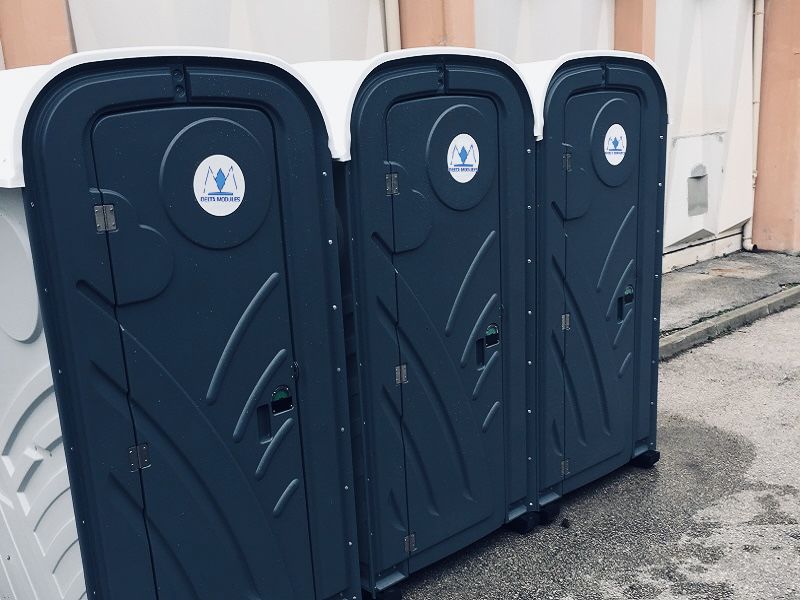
[717, 518]
[712, 287]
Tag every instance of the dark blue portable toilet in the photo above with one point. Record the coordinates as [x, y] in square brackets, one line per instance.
[182, 222]
[602, 122]
[437, 174]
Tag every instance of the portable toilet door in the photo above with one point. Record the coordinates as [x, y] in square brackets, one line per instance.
[600, 200]
[181, 214]
[433, 204]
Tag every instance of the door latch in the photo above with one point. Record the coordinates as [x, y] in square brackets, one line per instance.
[401, 374]
[392, 184]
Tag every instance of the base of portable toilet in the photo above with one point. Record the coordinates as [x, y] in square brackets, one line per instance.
[433, 195]
[181, 218]
[600, 206]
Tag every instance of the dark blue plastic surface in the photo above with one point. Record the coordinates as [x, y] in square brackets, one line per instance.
[216, 340]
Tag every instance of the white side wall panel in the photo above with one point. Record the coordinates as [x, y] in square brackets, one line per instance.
[530, 30]
[704, 50]
[39, 554]
[300, 30]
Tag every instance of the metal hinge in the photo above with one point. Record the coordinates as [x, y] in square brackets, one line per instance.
[564, 467]
[139, 456]
[392, 184]
[410, 542]
[567, 161]
[401, 374]
[565, 322]
[104, 218]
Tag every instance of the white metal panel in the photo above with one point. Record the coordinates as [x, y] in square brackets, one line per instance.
[530, 30]
[38, 539]
[300, 30]
[705, 52]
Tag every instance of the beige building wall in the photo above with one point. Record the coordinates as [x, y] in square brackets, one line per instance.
[776, 223]
[437, 23]
[34, 32]
[635, 26]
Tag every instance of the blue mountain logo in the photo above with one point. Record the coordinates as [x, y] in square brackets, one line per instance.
[220, 180]
[463, 154]
[616, 144]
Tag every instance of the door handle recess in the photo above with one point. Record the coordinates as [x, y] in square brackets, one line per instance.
[626, 298]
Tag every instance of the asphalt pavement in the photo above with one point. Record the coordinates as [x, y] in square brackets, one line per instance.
[717, 518]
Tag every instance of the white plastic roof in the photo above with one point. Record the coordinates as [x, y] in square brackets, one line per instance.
[337, 83]
[20, 87]
[333, 85]
[539, 75]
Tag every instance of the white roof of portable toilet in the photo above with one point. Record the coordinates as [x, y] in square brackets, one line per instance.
[21, 87]
[539, 75]
[337, 84]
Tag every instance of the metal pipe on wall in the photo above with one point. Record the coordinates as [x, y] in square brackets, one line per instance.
[391, 24]
[758, 56]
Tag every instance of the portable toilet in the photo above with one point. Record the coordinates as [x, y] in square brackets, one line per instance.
[179, 207]
[434, 182]
[601, 124]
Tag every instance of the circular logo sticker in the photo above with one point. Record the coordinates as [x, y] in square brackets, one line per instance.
[463, 158]
[219, 185]
[616, 144]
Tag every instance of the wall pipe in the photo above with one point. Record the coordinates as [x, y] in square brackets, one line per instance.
[758, 55]
[391, 24]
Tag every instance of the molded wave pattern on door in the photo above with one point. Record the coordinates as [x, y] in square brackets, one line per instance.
[41, 558]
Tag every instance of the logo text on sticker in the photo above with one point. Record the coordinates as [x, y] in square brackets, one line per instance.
[616, 144]
[219, 185]
[463, 158]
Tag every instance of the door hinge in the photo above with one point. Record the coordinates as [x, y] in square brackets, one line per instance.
[565, 322]
[401, 374]
[410, 543]
[104, 218]
[139, 456]
[565, 467]
[567, 161]
[392, 184]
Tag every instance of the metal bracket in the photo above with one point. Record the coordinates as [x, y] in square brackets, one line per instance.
[139, 457]
[104, 218]
[566, 161]
[392, 184]
[401, 374]
[565, 322]
[564, 467]
[410, 543]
